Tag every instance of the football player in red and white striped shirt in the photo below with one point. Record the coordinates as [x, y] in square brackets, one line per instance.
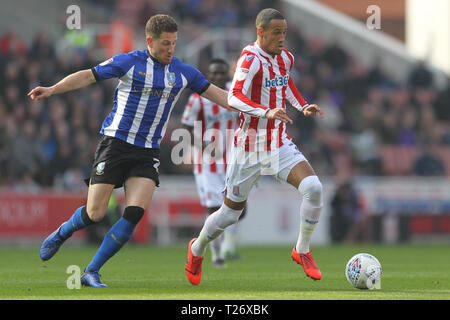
[261, 85]
[206, 120]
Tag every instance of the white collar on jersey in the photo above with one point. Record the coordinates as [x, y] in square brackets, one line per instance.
[262, 52]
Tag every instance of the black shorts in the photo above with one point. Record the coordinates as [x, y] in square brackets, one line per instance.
[116, 160]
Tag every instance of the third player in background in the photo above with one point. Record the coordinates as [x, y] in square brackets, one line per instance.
[213, 127]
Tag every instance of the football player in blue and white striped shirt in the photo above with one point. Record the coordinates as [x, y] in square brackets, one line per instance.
[150, 82]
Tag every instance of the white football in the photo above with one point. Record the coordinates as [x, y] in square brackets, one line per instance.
[363, 271]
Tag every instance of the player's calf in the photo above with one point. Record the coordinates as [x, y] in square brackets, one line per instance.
[116, 237]
[214, 226]
[310, 209]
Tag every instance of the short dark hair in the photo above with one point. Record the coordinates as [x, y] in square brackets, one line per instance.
[219, 61]
[265, 16]
[158, 24]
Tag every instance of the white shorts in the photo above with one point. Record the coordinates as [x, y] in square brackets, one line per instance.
[245, 168]
[210, 188]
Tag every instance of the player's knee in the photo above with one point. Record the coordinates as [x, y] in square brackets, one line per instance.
[85, 217]
[311, 189]
[95, 213]
[234, 205]
[133, 214]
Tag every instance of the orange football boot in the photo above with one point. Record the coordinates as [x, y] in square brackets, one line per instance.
[307, 262]
[193, 266]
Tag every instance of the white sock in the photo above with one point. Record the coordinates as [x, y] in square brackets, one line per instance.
[310, 210]
[309, 218]
[214, 225]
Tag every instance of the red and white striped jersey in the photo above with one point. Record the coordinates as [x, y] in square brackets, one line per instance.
[215, 122]
[260, 82]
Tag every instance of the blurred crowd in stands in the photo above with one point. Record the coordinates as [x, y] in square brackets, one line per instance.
[51, 143]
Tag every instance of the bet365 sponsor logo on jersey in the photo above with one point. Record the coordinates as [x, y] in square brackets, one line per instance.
[276, 82]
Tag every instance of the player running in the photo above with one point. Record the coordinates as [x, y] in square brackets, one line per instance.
[262, 82]
[217, 124]
[150, 83]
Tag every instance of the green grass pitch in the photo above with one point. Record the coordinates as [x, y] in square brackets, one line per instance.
[410, 272]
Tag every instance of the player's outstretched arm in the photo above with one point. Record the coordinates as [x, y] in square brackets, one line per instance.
[71, 82]
[217, 95]
[220, 97]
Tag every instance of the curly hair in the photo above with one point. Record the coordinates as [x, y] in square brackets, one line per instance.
[158, 24]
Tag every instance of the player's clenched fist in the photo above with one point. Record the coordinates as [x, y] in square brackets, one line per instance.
[278, 114]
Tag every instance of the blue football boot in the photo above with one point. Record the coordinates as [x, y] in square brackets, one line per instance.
[92, 279]
[51, 245]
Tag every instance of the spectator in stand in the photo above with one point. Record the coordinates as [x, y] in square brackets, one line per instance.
[388, 129]
[408, 129]
[26, 155]
[12, 44]
[442, 102]
[26, 183]
[42, 48]
[365, 146]
[427, 163]
[335, 57]
[420, 76]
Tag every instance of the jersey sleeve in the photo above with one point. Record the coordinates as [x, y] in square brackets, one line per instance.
[294, 96]
[191, 110]
[196, 80]
[114, 67]
[246, 68]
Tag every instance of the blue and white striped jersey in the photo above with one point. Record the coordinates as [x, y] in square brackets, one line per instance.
[145, 96]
